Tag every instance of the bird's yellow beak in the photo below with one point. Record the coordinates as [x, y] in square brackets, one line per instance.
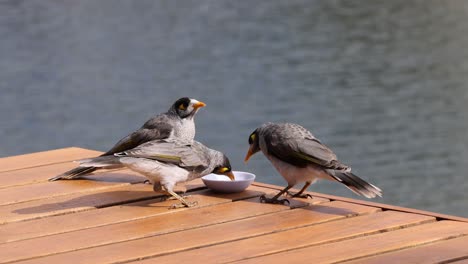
[198, 105]
[230, 175]
[249, 154]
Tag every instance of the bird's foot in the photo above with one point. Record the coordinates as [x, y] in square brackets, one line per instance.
[173, 198]
[264, 199]
[183, 205]
[302, 195]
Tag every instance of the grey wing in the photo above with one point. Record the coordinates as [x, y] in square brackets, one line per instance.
[161, 120]
[314, 151]
[182, 154]
[300, 148]
[142, 135]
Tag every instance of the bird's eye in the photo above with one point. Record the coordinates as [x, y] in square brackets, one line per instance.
[182, 107]
[251, 139]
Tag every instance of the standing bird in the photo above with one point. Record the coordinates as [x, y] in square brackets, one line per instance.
[167, 162]
[177, 122]
[300, 157]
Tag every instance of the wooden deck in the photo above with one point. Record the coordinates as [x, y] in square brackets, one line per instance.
[113, 217]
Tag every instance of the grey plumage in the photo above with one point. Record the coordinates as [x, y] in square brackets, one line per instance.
[167, 162]
[300, 157]
[177, 122]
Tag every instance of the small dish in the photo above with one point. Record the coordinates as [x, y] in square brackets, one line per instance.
[221, 183]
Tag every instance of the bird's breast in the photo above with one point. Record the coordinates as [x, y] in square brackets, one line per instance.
[294, 174]
[185, 130]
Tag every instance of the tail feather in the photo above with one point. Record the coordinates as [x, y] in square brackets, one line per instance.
[73, 173]
[89, 165]
[105, 162]
[356, 184]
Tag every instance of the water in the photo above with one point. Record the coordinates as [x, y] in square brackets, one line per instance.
[384, 84]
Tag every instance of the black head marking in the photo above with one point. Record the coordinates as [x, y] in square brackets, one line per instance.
[253, 138]
[180, 107]
[182, 103]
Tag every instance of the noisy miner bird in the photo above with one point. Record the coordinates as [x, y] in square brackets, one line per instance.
[167, 162]
[177, 122]
[300, 157]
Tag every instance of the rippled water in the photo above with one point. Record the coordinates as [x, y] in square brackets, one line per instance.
[384, 84]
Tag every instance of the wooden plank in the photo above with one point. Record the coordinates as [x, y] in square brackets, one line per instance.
[110, 215]
[368, 245]
[369, 203]
[25, 193]
[298, 238]
[43, 173]
[443, 251]
[209, 234]
[74, 202]
[176, 220]
[45, 158]
[78, 202]
[33, 175]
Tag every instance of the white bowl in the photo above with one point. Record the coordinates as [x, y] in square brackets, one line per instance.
[221, 183]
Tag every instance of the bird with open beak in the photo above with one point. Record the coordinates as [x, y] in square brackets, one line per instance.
[167, 162]
[178, 122]
[300, 157]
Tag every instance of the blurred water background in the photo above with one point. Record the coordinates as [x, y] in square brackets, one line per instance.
[383, 83]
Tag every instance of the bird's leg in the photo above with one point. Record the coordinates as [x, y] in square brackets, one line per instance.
[158, 188]
[275, 199]
[300, 193]
[184, 203]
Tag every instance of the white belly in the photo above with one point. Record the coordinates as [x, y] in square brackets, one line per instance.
[294, 175]
[167, 175]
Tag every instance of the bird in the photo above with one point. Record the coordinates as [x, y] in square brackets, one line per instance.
[300, 157]
[166, 162]
[177, 122]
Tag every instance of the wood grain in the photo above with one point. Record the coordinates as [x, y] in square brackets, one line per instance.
[299, 238]
[441, 251]
[47, 190]
[45, 158]
[211, 233]
[371, 203]
[168, 222]
[116, 214]
[369, 245]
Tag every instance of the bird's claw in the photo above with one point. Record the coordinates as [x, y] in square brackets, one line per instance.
[173, 198]
[264, 199]
[302, 195]
[183, 205]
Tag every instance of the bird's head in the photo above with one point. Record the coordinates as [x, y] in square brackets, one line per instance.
[254, 146]
[186, 107]
[223, 167]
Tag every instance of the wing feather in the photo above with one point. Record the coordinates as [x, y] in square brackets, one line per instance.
[139, 137]
[185, 155]
[297, 146]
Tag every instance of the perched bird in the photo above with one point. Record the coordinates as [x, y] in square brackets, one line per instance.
[167, 162]
[300, 157]
[177, 122]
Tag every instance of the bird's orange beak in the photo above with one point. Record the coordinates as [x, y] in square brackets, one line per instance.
[198, 105]
[249, 154]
